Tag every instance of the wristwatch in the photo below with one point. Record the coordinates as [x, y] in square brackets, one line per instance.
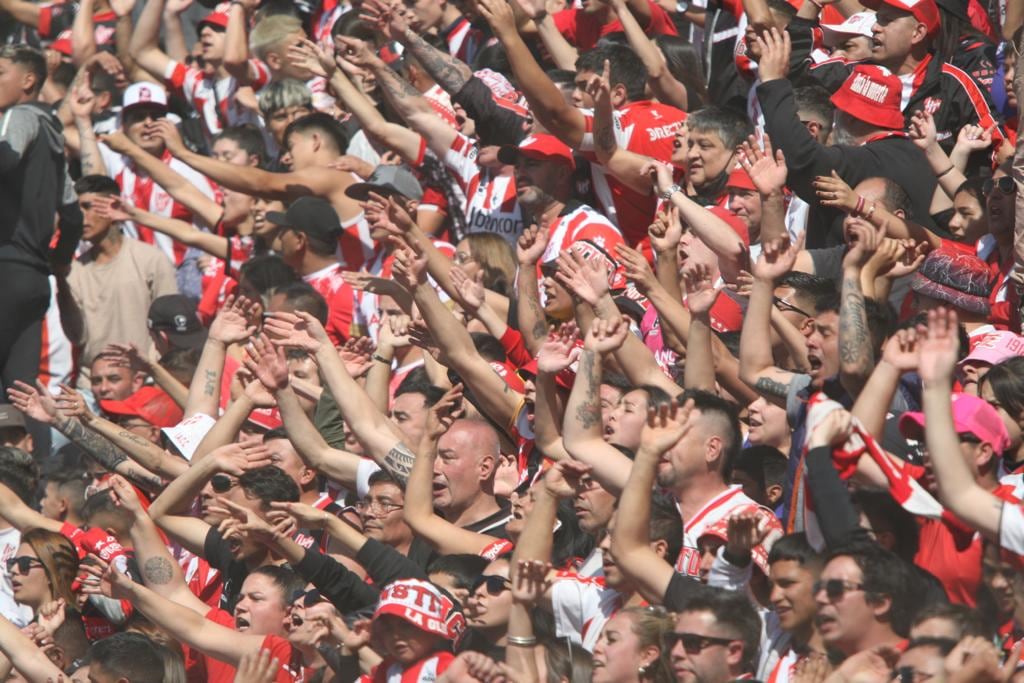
[667, 194]
[682, 6]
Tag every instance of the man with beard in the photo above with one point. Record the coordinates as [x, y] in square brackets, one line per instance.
[868, 133]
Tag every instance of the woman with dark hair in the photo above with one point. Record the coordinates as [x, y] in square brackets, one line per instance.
[683, 62]
[970, 213]
[1003, 388]
[43, 569]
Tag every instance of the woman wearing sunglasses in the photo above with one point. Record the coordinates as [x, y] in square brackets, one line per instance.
[43, 569]
[488, 607]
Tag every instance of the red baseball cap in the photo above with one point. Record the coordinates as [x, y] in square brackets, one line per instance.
[542, 146]
[216, 20]
[150, 403]
[872, 94]
[740, 180]
[925, 11]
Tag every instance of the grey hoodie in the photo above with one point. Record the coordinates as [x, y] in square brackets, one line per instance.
[35, 189]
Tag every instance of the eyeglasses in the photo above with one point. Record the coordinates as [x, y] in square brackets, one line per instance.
[221, 483]
[24, 564]
[462, 258]
[1005, 184]
[835, 589]
[377, 508]
[495, 585]
[784, 305]
[693, 643]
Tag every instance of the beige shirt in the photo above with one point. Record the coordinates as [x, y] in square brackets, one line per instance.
[114, 297]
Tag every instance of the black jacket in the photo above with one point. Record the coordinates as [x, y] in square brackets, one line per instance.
[894, 157]
[950, 93]
[34, 187]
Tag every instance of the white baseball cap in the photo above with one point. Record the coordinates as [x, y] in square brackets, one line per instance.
[144, 93]
[859, 24]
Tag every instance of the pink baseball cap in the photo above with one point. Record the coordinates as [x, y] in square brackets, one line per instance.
[971, 415]
[994, 347]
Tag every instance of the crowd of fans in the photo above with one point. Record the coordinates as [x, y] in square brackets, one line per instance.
[447, 341]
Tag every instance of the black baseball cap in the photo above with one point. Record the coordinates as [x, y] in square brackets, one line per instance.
[176, 315]
[311, 215]
[388, 181]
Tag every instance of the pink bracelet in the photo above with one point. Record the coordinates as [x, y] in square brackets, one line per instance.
[860, 206]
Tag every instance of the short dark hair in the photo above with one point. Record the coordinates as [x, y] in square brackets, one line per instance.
[284, 578]
[489, 347]
[617, 380]
[98, 184]
[72, 483]
[128, 655]
[884, 575]
[807, 285]
[562, 77]
[269, 484]
[1007, 381]
[416, 384]
[464, 568]
[886, 515]
[727, 413]
[766, 465]
[103, 502]
[301, 295]
[28, 58]
[248, 138]
[895, 197]
[881, 322]
[731, 609]
[656, 396]
[667, 525]
[731, 127]
[796, 548]
[19, 472]
[968, 621]
[626, 67]
[266, 272]
[816, 101]
[319, 122]
[383, 477]
[827, 303]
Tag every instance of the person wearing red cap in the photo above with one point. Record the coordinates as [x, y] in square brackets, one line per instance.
[643, 126]
[211, 93]
[904, 42]
[869, 130]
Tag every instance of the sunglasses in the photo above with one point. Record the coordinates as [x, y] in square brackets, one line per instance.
[24, 564]
[221, 483]
[693, 643]
[784, 305]
[1005, 184]
[835, 589]
[495, 585]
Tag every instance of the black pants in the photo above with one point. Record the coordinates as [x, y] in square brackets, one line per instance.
[24, 298]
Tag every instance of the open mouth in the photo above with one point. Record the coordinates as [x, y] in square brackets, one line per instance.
[241, 623]
[234, 545]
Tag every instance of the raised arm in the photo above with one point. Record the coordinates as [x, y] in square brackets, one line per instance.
[530, 313]
[21, 516]
[166, 177]
[547, 103]
[665, 87]
[236, 40]
[628, 167]
[631, 538]
[179, 230]
[700, 359]
[25, 657]
[581, 429]
[83, 33]
[557, 353]
[442, 535]
[958, 489]
[757, 367]
[856, 347]
[183, 624]
[233, 324]
[144, 46]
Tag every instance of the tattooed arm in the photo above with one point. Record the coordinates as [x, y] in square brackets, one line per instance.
[451, 73]
[856, 347]
[140, 449]
[757, 366]
[107, 454]
[204, 391]
[582, 430]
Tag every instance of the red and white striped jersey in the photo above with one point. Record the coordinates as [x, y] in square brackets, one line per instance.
[462, 39]
[580, 222]
[582, 606]
[57, 360]
[1011, 533]
[491, 201]
[144, 193]
[215, 100]
[715, 510]
[646, 128]
[323, 20]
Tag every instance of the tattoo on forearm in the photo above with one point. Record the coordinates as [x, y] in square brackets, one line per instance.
[398, 462]
[604, 134]
[530, 295]
[396, 87]
[588, 412]
[98, 447]
[770, 387]
[449, 72]
[210, 383]
[157, 571]
[854, 337]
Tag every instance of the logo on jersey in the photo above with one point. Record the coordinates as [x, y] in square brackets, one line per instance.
[932, 104]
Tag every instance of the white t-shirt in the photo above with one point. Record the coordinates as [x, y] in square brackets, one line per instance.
[19, 615]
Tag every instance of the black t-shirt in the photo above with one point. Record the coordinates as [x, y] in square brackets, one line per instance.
[217, 552]
[493, 525]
